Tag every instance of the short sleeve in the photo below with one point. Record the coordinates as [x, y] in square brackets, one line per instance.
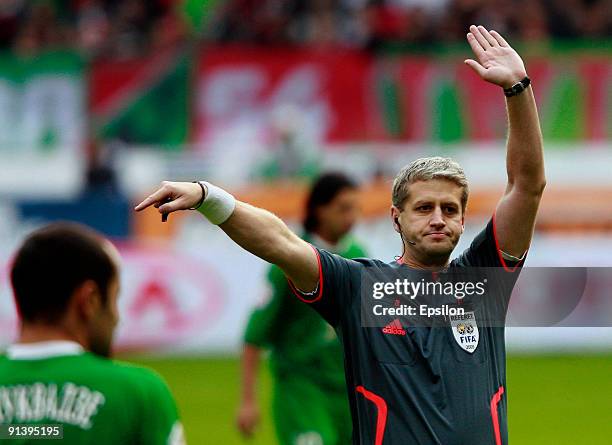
[338, 281]
[484, 251]
[485, 257]
[263, 320]
[160, 424]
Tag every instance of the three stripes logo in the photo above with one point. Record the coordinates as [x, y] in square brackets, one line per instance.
[394, 328]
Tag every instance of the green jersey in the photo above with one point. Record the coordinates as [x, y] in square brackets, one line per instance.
[96, 400]
[301, 341]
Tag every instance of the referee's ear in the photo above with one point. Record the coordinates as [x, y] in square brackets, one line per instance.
[395, 213]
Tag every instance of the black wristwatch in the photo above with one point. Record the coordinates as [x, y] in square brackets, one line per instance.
[518, 87]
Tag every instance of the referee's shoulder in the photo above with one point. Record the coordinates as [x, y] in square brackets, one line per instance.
[370, 262]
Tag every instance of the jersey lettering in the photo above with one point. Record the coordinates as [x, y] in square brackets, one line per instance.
[76, 405]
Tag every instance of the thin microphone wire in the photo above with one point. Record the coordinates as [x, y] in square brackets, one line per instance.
[397, 258]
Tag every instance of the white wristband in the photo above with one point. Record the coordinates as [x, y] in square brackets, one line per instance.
[218, 205]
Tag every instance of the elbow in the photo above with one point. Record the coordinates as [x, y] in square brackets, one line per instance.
[540, 185]
[536, 188]
[532, 187]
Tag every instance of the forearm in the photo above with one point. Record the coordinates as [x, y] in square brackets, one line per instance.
[515, 214]
[525, 158]
[501, 65]
[265, 235]
[256, 230]
[250, 364]
[260, 232]
[516, 211]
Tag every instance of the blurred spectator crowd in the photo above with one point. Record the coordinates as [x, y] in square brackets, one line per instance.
[123, 28]
[368, 23]
[114, 28]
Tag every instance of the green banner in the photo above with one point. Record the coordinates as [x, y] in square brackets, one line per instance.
[143, 102]
[42, 102]
[450, 104]
[47, 101]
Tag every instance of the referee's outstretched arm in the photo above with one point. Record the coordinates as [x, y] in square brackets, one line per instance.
[496, 62]
[265, 235]
[257, 230]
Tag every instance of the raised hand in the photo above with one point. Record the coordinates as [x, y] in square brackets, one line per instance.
[496, 61]
[173, 196]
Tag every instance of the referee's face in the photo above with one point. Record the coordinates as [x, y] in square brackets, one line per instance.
[431, 220]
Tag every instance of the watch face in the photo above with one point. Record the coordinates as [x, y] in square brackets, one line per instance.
[518, 87]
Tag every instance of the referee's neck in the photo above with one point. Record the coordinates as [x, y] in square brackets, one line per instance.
[413, 263]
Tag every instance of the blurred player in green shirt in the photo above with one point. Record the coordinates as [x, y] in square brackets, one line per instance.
[310, 405]
[66, 281]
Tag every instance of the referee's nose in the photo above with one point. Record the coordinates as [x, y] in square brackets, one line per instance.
[437, 218]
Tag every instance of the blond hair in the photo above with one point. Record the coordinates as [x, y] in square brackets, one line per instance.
[426, 169]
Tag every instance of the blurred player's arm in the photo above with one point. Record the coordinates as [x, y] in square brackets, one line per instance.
[248, 412]
[261, 332]
[498, 63]
[256, 230]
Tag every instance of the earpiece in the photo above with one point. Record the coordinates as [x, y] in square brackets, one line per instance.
[399, 229]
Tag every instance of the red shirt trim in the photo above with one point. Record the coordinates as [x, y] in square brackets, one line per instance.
[494, 414]
[499, 254]
[319, 293]
[381, 418]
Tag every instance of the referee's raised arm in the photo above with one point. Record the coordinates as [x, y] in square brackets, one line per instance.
[498, 63]
[257, 230]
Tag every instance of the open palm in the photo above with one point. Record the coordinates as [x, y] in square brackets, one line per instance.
[496, 61]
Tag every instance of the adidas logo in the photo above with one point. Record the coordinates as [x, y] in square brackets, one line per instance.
[394, 328]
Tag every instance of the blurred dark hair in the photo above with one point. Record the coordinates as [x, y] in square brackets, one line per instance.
[322, 192]
[51, 263]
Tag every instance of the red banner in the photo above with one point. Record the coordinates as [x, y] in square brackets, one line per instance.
[255, 90]
[235, 96]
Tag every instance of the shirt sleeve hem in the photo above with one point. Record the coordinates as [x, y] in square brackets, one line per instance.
[306, 298]
[499, 252]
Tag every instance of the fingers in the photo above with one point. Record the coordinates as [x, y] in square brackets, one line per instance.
[160, 195]
[480, 70]
[478, 51]
[242, 427]
[482, 41]
[488, 37]
[175, 205]
[499, 38]
[246, 426]
[172, 196]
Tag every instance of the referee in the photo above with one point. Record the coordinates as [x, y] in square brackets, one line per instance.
[409, 384]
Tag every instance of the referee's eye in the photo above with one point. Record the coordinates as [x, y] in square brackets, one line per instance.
[451, 210]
